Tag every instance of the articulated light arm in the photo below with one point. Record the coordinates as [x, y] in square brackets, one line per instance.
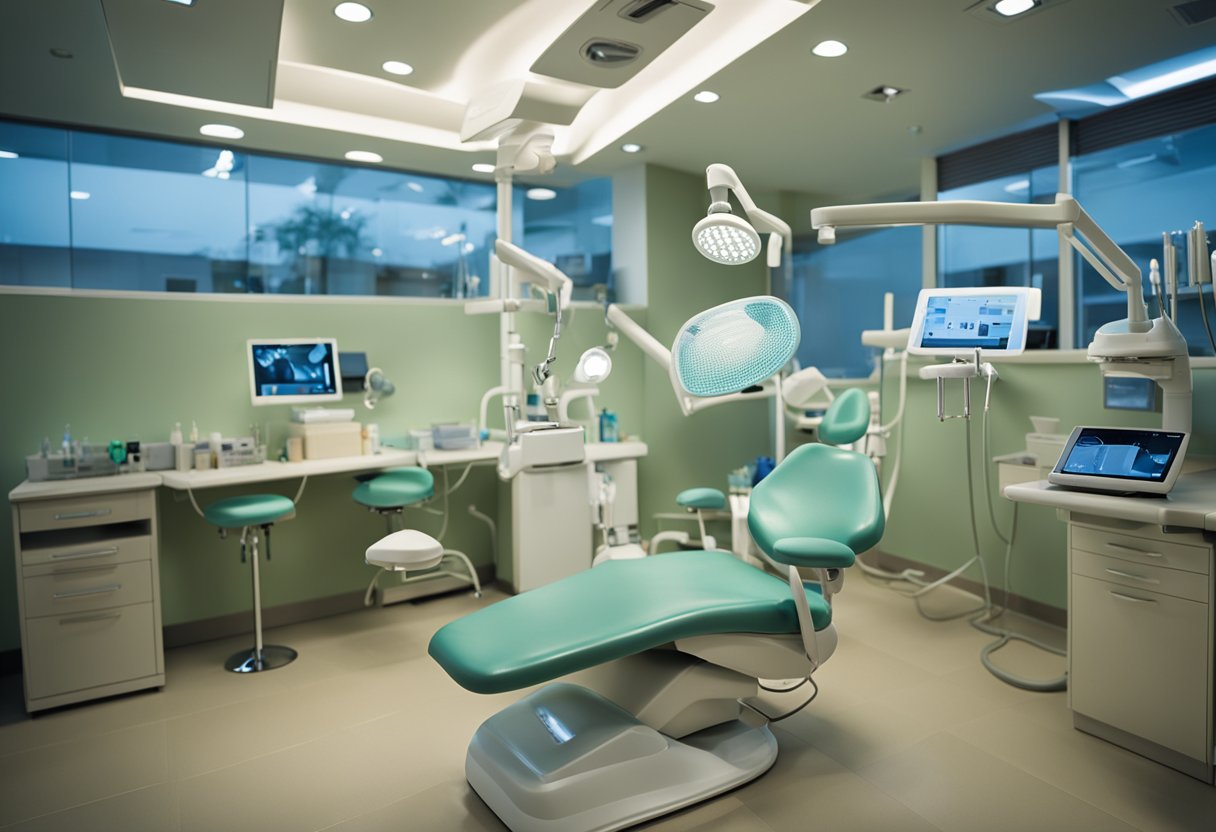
[1067, 215]
[721, 179]
[555, 282]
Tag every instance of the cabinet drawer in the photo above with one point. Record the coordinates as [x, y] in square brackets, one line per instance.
[1134, 574]
[1154, 552]
[94, 510]
[1141, 662]
[72, 652]
[93, 553]
[83, 590]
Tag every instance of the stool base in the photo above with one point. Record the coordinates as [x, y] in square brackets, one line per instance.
[273, 655]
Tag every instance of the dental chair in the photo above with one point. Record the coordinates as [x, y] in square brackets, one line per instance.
[669, 649]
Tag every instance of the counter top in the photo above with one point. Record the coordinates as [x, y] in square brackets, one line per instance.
[271, 471]
[1191, 504]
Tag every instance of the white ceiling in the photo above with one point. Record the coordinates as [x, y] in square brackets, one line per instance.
[786, 120]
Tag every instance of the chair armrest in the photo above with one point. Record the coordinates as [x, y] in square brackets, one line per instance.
[815, 552]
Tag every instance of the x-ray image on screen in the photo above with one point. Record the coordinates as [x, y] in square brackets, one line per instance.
[1101, 453]
[294, 371]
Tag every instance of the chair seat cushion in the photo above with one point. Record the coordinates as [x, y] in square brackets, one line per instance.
[396, 488]
[617, 609]
[707, 498]
[249, 510]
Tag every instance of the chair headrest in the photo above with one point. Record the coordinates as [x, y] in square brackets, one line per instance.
[847, 418]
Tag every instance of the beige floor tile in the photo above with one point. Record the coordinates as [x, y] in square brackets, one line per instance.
[858, 671]
[960, 787]
[451, 806]
[51, 778]
[1134, 789]
[723, 814]
[151, 809]
[856, 733]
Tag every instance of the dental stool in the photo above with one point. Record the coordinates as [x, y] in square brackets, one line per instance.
[388, 494]
[697, 501]
[249, 514]
[670, 650]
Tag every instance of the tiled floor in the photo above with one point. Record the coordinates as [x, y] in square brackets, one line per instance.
[363, 732]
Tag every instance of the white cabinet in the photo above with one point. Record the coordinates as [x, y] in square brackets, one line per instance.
[88, 593]
[1141, 640]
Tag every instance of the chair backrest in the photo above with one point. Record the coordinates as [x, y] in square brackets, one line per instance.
[847, 418]
[818, 491]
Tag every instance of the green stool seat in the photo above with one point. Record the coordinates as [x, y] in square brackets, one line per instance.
[250, 510]
[396, 488]
[705, 498]
[614, 610]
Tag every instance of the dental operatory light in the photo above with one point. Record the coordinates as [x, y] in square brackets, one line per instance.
[725, 238]
[706, 97]
[483, 167]
[541, 194]
[829, 49]
[593, 366]
[222, 131]
[353, 12]
[397, 68]
[630, 147]
[364, 156]
[1012, 8]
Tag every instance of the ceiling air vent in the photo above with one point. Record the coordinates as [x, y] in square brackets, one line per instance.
[1194, 12]
[610, 52]
[614, 40]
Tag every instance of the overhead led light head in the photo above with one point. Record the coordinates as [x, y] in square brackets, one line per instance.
[734, 346]
[593, 366]
[353, 12]
[725, 238]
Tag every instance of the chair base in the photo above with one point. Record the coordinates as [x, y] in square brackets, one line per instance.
[273, 656]
[564, 759]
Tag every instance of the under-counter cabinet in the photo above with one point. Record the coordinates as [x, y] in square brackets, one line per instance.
[1141, 640]
[88, 591]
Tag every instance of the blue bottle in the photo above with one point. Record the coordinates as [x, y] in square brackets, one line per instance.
[609, 431]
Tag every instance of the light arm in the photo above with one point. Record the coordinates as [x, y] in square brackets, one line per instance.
[1066, 214]
[552, 277]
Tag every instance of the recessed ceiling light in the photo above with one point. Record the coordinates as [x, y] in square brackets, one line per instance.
[706, 97]
[183, 2]
[353, 12]
[483, 167]
[397, 68]
[8, 154]
[222, 131]
[80, 194]
[364, 156]
[1012, 8]
[540, 193]
[631, 148]
[830, 49]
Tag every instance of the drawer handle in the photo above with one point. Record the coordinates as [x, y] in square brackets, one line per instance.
[81, 515]
[1123, 597]
[80, 619]
[1123, 548]
[1132, 577]
[84, 593]
[100, 553]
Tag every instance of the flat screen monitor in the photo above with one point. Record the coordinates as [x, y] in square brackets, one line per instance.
[957, 321]
[1121, 459]
[294, 371]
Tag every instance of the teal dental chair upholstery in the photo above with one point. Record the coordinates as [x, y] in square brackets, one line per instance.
[670, 649]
